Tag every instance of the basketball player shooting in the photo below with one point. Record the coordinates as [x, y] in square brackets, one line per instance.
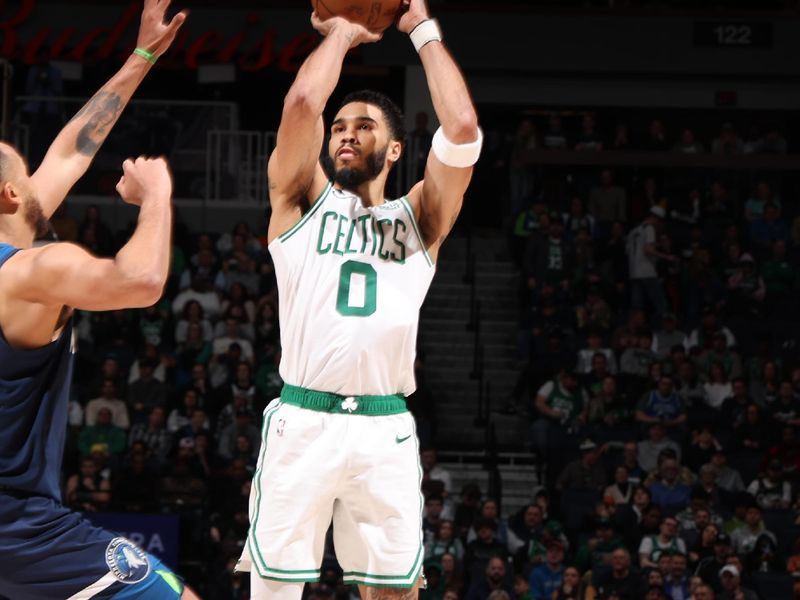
[353, 269]
[46, 551]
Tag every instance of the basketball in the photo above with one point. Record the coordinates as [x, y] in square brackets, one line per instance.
[375, 15]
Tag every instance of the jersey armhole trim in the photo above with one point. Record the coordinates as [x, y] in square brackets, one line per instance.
[317, 203]
[410, 211]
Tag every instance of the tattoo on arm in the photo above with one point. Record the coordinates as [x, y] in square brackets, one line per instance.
[102, 111]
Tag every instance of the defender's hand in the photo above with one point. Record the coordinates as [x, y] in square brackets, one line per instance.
[357, 34]
[413, 13]
[145, 180]
[155, 34]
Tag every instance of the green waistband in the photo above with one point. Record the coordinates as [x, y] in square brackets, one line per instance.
[372, 406]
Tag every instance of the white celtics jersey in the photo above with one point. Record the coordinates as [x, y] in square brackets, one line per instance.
[351, 281]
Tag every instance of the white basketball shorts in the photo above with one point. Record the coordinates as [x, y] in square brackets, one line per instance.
[351, 459]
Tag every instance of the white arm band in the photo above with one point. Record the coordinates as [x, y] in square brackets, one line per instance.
[459, 156]
[427, 31]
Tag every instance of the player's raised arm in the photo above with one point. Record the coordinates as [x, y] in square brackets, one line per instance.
[67, 275]
[294, 172]
[456, 145]
[74, 148]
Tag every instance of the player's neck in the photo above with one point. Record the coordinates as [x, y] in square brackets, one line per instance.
[15, 234]
[371, 193]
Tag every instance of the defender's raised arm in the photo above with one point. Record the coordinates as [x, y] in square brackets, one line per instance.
[68, 275]
[72, 152]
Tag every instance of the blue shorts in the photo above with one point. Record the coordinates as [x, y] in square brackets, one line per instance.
[49, 552]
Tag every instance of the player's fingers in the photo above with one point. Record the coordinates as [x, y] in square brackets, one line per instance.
[403, 9]
[142, 162]
[127, 166]
[178, 20]
[120, 187]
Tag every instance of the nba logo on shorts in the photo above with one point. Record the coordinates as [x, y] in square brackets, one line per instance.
[127, 562]
[281, 426]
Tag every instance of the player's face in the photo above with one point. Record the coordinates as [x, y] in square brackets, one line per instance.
[359, 144]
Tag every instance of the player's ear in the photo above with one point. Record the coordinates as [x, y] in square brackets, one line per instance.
[10, 200]
[394, 151]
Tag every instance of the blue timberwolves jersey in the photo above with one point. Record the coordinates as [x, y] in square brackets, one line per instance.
[47, 551]
[34, 393]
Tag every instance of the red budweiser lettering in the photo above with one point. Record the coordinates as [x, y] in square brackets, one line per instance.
[189, 50]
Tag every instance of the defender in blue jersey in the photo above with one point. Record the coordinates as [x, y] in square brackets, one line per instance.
[46, 551]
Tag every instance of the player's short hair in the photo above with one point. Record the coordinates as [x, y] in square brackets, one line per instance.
[391, 112]
[5, 165]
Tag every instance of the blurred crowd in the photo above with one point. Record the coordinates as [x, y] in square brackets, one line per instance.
[661, 372]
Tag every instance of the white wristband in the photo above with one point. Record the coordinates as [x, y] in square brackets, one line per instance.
[459, 156]
[427, 31]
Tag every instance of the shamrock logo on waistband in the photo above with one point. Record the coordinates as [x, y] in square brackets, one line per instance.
[349, 404]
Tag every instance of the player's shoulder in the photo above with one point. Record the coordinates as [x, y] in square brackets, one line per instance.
[414, 198]
[61, 251]
[26, 263]
[13, 263]
[319, 187]
[285, 198]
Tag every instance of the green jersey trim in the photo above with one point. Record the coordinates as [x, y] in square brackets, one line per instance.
[308, 215]
[410, 211]
[372, 406]
[289, 579]
[171, 580]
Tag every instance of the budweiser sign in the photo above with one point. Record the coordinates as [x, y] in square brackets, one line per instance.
[117, 40]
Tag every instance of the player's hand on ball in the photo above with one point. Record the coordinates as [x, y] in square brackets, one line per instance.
[155, 33]
[358, 34]
[145, 180]
[413, 13]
